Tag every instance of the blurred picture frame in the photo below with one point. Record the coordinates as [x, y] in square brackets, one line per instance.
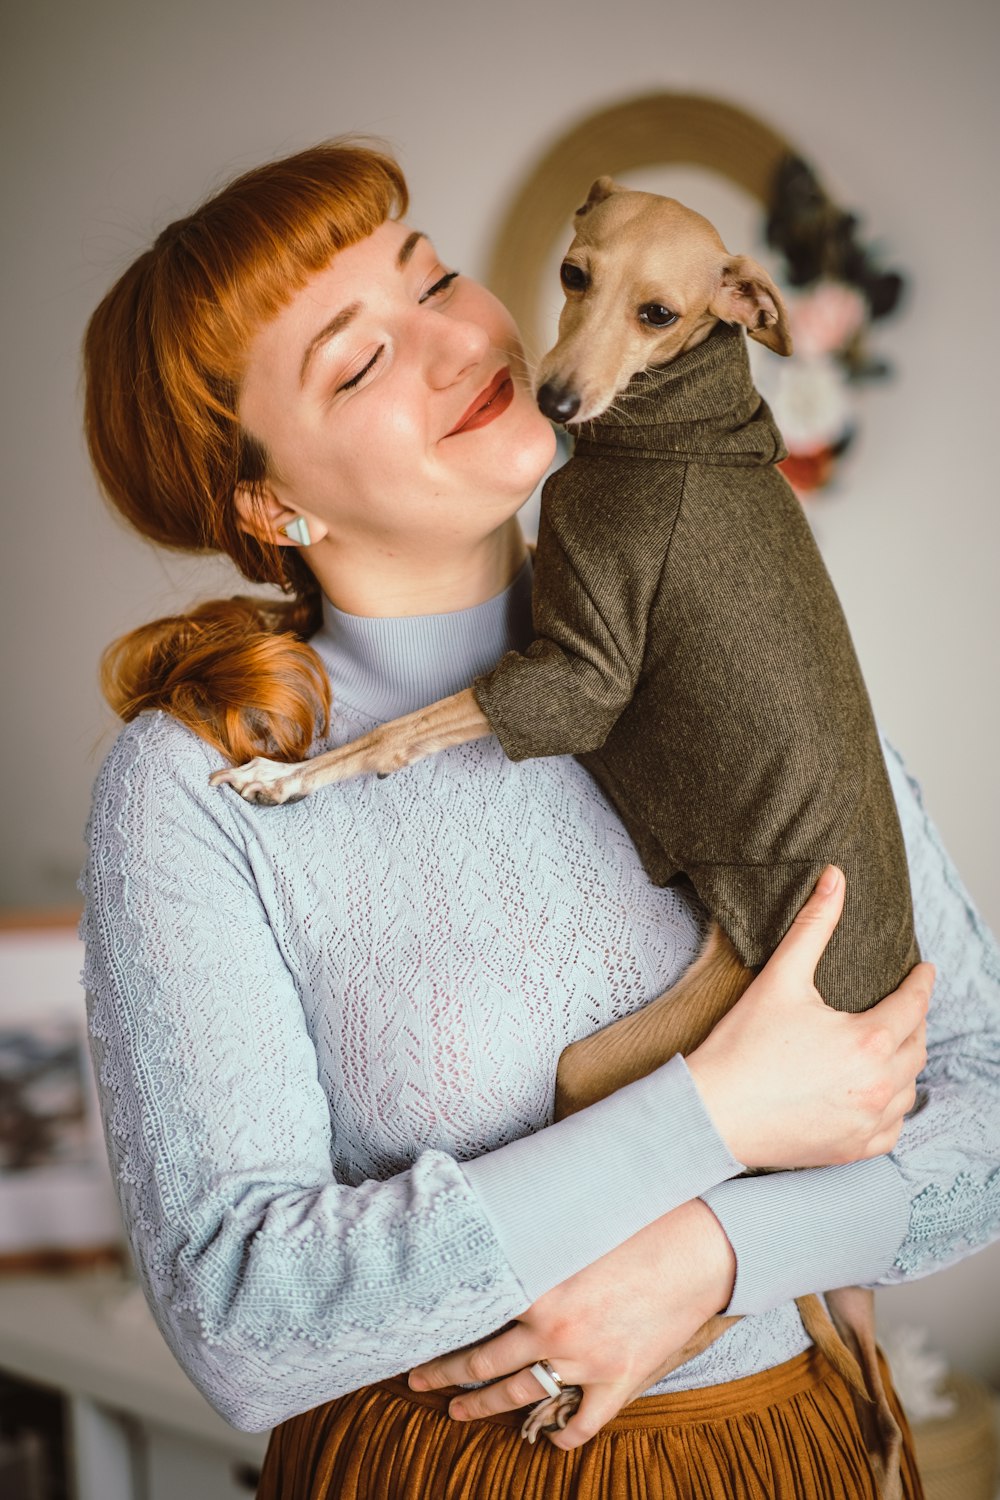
[57, 1203]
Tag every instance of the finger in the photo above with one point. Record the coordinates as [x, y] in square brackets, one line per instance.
[885, 1138]
[600, 1403]
[902, 1013]
[518, 1390]
[884, 1144]
[514, 1349]
[900, 1108]
[911, 1055]
[801, 949]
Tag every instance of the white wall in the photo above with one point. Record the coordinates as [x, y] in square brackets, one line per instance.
[120, 114]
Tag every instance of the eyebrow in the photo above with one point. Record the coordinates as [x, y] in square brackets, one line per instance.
[328, 331]
[408, 246]
[347, 314]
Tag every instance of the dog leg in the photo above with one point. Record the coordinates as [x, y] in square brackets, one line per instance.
[677, 1021]
[852, 1309]
[390, 747]
[552, 1414]
[820, 1327]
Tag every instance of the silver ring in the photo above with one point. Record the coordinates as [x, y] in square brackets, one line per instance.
[550, 1382]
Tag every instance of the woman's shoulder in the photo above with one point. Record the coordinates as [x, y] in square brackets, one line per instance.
[156, 756]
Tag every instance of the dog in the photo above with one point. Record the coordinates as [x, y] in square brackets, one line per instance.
[691, 650]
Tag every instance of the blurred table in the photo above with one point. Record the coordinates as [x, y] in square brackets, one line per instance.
[140, 1430]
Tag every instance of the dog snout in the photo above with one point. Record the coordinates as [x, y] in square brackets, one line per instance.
[559, 403]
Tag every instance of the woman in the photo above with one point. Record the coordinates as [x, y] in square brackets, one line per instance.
[326, 1035]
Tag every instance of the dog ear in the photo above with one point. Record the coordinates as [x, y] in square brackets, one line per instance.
[747, 295]
[599, 190]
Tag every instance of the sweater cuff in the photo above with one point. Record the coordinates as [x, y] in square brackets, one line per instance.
[561, 1198]
[811, 1230]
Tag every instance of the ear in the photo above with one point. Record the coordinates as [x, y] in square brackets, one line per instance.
[262, 515]
[747, 295]
[599, 190]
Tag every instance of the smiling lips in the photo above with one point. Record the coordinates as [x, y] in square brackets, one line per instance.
[488, 405]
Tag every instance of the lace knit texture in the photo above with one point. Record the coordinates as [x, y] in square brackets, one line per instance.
[305, 1019]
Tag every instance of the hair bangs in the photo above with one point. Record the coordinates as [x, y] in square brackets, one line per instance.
[240, 258]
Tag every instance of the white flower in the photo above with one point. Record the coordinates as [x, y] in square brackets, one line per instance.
[917, 1373]
[811, 402]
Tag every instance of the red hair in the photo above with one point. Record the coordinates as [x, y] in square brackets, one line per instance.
[162, 361]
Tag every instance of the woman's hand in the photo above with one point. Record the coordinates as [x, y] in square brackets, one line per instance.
[614, 1328]
[790, 1082]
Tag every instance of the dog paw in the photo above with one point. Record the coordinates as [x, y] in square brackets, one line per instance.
[270, 783]
[552, 1414]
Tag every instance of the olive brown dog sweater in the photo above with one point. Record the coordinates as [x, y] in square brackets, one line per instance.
[692, 651]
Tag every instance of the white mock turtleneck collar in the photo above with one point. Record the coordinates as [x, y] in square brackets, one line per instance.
[384, 667]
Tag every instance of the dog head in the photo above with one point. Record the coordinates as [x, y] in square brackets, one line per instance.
[645, 280]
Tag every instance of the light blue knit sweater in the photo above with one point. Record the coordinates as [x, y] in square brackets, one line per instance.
[326, 1038]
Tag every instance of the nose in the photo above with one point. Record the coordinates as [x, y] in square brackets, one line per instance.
[558, 403]
[456, 346]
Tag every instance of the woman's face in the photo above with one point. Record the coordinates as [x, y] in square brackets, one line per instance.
[391, 397]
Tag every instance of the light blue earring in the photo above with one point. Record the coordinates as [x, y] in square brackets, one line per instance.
[298, 531]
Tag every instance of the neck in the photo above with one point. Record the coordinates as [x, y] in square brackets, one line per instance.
[376, 582]
[384, 666]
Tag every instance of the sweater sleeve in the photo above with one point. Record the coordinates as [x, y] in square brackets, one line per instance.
[936, 1197]
[276, 1286]
[563, 695]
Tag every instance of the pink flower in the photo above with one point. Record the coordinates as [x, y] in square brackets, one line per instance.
[825, 319]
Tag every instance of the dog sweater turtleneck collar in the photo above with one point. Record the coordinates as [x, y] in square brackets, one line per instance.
[702, 407]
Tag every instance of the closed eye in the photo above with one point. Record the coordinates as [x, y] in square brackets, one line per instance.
[440, 286]
[357, 379]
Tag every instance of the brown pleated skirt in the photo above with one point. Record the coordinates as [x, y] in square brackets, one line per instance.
[787, 1434]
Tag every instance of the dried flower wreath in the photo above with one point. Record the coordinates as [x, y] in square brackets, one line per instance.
[836, 288]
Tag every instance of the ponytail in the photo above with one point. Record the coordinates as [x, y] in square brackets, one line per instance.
[236, 671]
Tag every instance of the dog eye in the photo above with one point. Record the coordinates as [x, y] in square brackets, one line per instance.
[656, 316]
[574, 278]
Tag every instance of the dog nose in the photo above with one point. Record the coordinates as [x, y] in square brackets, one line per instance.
[560, 405]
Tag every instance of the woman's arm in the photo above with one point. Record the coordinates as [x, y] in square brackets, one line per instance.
[619, 1325]
[275, 1286]
[932, 1200]
[935, 1196]
[614, 1328]
[949, 1149]
[811, 1230]
[788, 1080]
